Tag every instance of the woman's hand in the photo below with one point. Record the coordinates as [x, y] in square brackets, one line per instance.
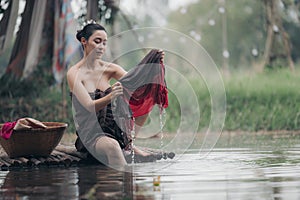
[162, 55]
[117, 90]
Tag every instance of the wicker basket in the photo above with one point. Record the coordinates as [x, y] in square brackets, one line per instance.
[34, 142]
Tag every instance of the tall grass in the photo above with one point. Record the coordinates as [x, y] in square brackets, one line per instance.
[266, 101]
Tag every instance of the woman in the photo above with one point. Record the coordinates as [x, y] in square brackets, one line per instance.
[92, 94]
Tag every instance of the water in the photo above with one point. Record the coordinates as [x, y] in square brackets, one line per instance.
[162, 118]
[240, 167]
[133, 139]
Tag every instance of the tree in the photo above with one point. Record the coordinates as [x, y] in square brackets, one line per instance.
[275, 28]
[256, 31]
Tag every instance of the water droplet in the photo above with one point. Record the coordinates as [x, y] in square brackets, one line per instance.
[107, 15]
[221, 10]
[226, 54]
[141, 39]
[248, 10]
[198, 37]
[132, 143]
[162, 118]
[275, 28]
[192, 33]
[254, 52]
[211, 22]
[183, 10]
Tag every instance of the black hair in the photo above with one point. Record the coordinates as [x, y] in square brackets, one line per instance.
[88, 30]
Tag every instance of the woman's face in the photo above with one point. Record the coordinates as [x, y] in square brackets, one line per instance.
[95, 46]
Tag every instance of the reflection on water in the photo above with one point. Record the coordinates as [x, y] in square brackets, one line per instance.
[93, 182]
[235, 169]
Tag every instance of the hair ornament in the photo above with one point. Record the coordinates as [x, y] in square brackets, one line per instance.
[91, 21]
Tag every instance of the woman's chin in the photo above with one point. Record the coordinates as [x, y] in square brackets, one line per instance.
[99, 55]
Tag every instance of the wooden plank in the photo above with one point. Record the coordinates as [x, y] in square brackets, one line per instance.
[36, 162]
[67, 157]
[4, 165]
[71, 151]
[23, 161]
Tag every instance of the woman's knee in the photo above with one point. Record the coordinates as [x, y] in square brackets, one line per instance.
[108, 145]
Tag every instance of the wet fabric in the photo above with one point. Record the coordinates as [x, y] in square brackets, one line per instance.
[90, 126]
[144, 86]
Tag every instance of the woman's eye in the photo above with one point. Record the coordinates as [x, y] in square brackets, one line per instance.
[98, 41]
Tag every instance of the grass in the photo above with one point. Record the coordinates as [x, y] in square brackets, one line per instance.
[266, 101]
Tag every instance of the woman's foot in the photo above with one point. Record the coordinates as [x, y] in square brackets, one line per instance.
[140, 156]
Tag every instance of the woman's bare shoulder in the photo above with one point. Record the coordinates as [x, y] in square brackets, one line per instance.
[73, 70]
[112, 66]
[116, 69]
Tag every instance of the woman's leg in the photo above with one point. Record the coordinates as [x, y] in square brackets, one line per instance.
[109, 147]
[139, 122]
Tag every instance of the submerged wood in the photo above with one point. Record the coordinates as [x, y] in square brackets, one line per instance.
[62, 156]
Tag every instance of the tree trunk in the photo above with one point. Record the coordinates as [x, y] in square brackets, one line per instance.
[270, 33]
[274, 21]
[7, 24]
[18, 56]
[92, 10]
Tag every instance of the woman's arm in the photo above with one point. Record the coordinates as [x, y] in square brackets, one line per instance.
[118, 71]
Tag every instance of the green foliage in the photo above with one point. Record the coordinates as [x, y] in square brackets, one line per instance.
[35, 97]
[31, 87]
[294, 39]
[245, 28]
[173, 116]
[47, 106]
[267, 101]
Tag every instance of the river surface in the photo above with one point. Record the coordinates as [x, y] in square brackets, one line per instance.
[241, 166]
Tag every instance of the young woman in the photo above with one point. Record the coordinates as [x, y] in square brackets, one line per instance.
[92, 94]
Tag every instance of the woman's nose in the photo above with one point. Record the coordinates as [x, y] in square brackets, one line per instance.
[100, 46]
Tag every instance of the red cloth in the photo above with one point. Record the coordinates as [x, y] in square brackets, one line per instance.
[7, 129]
[144, 98]
[144, 85]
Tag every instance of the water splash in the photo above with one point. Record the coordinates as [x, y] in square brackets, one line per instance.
[162, 120]
[132, 143]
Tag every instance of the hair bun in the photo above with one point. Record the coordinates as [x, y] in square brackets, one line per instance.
[79, 35]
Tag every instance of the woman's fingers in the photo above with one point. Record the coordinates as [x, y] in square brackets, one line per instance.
[117, 89]
[162, 54]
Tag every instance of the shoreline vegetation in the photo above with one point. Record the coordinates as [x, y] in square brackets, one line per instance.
[267, 101]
